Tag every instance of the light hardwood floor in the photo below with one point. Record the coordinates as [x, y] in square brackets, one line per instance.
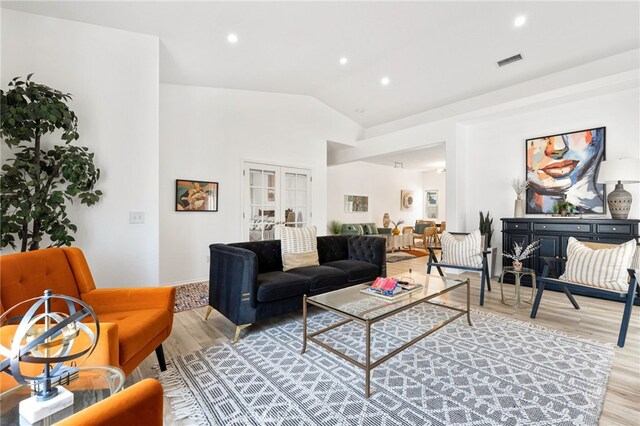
[597, 319]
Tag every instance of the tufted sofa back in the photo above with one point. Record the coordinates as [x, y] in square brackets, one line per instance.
[332, 248]
[268, 254]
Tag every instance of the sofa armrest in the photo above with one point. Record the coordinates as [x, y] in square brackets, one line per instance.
[369, 249]
[107, 300]
[233, 282]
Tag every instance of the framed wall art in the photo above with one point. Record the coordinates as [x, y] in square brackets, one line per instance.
[356, 203]
[406, 199]
[565, 167]
[196, 196]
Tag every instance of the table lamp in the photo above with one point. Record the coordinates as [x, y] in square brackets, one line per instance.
[619, 171]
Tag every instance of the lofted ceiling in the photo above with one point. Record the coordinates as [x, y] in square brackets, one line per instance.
[427, 159]
[434, 53]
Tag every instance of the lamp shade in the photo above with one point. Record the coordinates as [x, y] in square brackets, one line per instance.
[623, 170]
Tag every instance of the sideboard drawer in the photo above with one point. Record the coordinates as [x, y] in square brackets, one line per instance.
[614, 229]
[562, 227]
[516, 226]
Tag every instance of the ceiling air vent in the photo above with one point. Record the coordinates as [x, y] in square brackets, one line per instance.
[509, 60]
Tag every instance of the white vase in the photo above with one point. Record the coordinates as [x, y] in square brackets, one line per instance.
[518, 210]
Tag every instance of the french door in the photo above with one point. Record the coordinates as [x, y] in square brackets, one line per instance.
[274, 196]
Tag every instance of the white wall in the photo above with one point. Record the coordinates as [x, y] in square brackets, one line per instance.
[382, 184]
[437, 181]
[113, 76]
[496, 149]
[206, 133]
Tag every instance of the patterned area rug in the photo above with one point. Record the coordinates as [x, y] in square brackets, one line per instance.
[404, 255]
[191, 296]
[499, 372]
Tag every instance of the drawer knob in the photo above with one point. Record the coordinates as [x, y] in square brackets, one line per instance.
[544, 226]
[517, 226]
[614, 228]
[578, 227]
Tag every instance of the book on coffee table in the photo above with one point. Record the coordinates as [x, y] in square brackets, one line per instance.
[398, 293]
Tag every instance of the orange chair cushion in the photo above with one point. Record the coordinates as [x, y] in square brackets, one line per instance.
[137, 328]
[140, 404]
[27, 275]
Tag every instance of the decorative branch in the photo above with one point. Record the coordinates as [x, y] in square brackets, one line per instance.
[521, 254]
[520, 186]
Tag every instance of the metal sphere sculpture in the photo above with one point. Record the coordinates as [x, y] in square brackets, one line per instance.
[47, 338]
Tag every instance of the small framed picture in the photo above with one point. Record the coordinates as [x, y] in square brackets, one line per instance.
[196, 196]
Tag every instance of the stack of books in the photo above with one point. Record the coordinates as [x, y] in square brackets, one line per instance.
[391, 288]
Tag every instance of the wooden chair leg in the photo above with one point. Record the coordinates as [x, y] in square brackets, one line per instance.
[622, 336]
[570, 296]
[536, 303]
[161, 361]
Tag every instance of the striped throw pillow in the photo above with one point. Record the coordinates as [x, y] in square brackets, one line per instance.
[299, 247]
[600, 268]
[466, 251]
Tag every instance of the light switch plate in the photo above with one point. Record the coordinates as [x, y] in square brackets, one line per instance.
[136, 218]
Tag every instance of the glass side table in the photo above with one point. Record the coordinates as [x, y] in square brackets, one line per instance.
[516, 301]
[93, 384]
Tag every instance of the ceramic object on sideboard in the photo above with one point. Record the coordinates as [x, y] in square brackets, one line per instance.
[518, 210]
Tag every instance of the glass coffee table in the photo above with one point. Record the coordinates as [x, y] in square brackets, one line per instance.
[92, 385]
[367, 310]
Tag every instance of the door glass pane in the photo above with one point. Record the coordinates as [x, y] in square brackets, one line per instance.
[301, 198]
[270, 179]
[255, 178]
[256, 196]
[302, 182]
[290, 181]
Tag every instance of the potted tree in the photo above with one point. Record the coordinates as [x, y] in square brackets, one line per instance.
[40, 178]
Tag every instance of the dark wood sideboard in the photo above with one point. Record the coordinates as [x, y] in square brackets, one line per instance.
[554, 234]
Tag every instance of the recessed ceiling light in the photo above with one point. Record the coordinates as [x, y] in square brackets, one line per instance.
[344, 60]
[520, 21]
[232, 38]
[385, 81]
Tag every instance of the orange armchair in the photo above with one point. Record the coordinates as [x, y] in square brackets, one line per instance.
[141, 318]
[140, 404]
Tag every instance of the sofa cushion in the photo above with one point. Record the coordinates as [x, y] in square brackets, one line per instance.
[604, 268]
[277, 285]
[299, 247]
[370, 229]
[147, 323]
[357, 271]
[321, 277]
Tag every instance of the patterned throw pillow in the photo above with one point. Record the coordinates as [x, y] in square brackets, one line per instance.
[299, 247]
[602, 268]
[464, 252]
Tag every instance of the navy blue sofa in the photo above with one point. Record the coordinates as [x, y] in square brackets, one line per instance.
[247, 284]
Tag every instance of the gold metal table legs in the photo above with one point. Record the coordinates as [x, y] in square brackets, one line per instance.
[516, 301]
[369, 364]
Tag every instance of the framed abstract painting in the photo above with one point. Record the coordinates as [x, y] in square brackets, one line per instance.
[565, 167]
[356, 203]
[196, 196]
